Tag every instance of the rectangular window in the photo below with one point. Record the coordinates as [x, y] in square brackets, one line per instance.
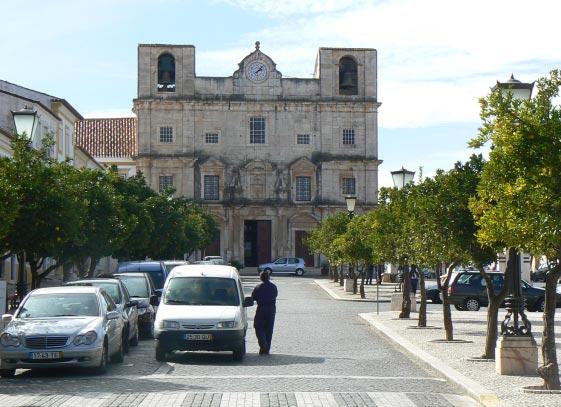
[349, 186]
[211, 138]
[257, 130]
[303, 139]
[211, 188]
[165, 181]
[303, 189]
[166, 134]
[348, 136]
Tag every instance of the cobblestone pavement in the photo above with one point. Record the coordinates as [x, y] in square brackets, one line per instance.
[323, 354]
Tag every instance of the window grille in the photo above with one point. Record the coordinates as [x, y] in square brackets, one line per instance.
[303, 189]
[166, 134]
[211, 138]
[348, 136]
[257, 130]
[165, 181]
[349, 186]
[303, 139]
[211, 187]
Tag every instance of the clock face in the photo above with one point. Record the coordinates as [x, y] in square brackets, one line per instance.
[257, 71]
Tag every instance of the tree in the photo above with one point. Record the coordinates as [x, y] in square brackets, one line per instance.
[519, 197]
[10, 198]
[199, 226]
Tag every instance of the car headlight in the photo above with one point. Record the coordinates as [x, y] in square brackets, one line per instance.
[226, 324]
[86, 339]
[7, 339]
[169, 324]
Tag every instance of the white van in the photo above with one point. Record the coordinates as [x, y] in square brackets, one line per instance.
[202, 308]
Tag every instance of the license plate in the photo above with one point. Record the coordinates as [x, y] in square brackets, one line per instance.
[45, 355]
[198, 337]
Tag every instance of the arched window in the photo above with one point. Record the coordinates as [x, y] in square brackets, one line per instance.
[348, 83]
[166, 73]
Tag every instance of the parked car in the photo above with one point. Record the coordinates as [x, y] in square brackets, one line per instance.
[468, 291]
[156, 270]
[125, 304]
[170, 264]
[214, 260]
[433, 293]
[141, 288]
[291, 265]
[69, 326]
[202, 308]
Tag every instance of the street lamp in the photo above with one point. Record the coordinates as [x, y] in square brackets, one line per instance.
[515, 302]
[351, 202]
[25, 121]
[402, 177]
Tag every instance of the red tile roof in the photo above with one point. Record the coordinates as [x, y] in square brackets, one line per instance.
[108, 137]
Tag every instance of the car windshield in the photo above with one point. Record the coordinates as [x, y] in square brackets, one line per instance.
[111, 288]
[59, 305]
[202, 291]
[137, 286]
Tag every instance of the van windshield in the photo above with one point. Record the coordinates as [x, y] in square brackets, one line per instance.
[202, 291]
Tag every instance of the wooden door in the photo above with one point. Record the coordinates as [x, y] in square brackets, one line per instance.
[263, 241]
[300, 248]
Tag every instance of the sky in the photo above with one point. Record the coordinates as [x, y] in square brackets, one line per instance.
[436, 58]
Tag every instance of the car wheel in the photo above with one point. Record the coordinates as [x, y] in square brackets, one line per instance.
[459, 307]
[148, 331]
[126, 346]
[472, 304]
[7, 373]
[102, 368]
[160, 352]
[134, 340]
[239, 353]
[119, 357]
[540, 305]
[299, 272]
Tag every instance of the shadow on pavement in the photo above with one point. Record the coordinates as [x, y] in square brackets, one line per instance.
[250, 359]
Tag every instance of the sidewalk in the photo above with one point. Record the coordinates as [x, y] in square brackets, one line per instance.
[477, 378]
[385, 291]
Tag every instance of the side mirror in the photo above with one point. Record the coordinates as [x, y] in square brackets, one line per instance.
[112, 315]
[132, 303]
[6, 319]
[248, 302]
[154, 300]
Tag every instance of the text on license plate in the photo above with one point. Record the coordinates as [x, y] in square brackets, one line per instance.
[198, 337]
[45, 355]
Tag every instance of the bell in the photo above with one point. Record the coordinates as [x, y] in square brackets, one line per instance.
[348, 81]
[166, 77]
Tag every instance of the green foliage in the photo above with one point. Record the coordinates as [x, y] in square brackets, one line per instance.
[10, 199]
[322, 240]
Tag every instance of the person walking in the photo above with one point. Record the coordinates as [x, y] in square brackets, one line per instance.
[369, 274]
[414, 275]
[265, 294]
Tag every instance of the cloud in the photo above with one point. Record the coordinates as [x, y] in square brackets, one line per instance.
[435, 57]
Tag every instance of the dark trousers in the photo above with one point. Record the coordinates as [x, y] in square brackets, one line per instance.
[264, 323]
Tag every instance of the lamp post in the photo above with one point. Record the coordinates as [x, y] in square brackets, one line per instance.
[401, 178]
[351, 203]
[25, 121]
[516, 330]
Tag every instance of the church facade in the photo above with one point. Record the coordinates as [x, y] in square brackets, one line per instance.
[270, 157]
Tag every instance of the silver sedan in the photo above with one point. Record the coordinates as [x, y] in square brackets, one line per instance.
[62, 327]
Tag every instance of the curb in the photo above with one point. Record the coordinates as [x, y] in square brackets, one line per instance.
[337, 297]
[484, 396]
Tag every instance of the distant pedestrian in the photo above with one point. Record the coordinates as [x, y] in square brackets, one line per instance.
[414, 276]
[369, 274]
[265, 294]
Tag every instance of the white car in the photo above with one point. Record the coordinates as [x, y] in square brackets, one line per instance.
[202, 309]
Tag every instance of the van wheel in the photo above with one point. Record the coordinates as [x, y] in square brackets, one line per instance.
[239, 353]
[472, 304]
[160, 352]
[299, 272]
[7, 373]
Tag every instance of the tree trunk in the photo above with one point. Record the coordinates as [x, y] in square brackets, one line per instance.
[93, 265]
[35, 277]
[495, 301]
[341, 276]
[423, 306]
[549, 372]
[362, 293]
[331, 274]
[66, 270]
[406, 303]
[447, 315]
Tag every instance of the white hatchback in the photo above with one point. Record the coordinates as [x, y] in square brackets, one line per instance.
[202, 309]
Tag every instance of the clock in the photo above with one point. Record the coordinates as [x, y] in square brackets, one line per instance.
[257, 71]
